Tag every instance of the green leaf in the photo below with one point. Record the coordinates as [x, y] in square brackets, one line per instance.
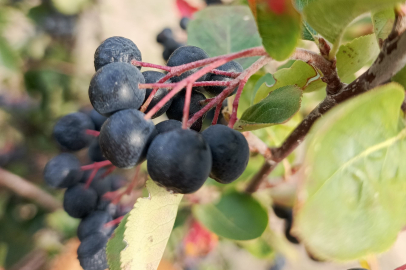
[352, 203]
[276, 108]
[356, 54]
[400, 77]
[299, 74]
[258, 248]
[280, 31]
[383, 22]
[329, 18]
[267, 79]
[308, 32]
[8, 57]
[115, 245]
[236, 216]
[147, 229]
[224, 29]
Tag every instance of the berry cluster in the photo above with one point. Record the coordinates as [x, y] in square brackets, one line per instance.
[118, 134]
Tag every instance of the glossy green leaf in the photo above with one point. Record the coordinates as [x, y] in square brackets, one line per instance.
[299, 74]
[352, 203]
[278, 107]
[147, 230]
[224, 29]
[383, 22]
[330, 17]
[115, 245]
[400, 77]
[236, 216]
[280, 31]
[356, 54]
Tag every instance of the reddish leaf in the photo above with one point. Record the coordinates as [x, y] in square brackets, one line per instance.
[185, 9]
[277, 6]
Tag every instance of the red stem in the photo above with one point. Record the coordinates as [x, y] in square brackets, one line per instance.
[214, 101]
[172, 85]
[91, 132]
[214, 63]
[151, 96]
[166, 68]
[114, 222]
[186, 107]
[91, 177]
[96, 165]
[233, 117]
[225, 73]
[144, 64]
[109, 171]
[217, 113]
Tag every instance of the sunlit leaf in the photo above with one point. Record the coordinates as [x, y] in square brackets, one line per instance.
[147, 229]
[330, 17]
[352, 203]
[299, 74]
[383, 22]
[356, 54]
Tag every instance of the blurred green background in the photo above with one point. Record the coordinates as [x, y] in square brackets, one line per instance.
[46, 62]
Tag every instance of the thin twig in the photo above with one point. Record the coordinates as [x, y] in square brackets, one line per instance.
[28, 190]
[391, 60]
[186, 108]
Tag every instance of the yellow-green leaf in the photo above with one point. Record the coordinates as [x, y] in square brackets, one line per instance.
[300, 74]
[352, 203]
[356, 54]
[330, 17]
[148, 228]
[383, 22]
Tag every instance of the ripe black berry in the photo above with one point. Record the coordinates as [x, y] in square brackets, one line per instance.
[175, 111]
[168, 125]
[78, 201]
[70, 131]
[97, 119]
[184, 22]
[94, 152]
[179, 160]
[116, 49]
[94, 223]
[164, 35]
[114, 87]
[170, 45]
[62, 171]
[153, 77]
[125, 137]
[184, 55]
[103, 185]
[288, 235]
[230, 152]
[232, 66]
[92, 252]
[282, 212]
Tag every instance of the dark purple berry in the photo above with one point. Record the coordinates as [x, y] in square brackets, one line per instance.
[116, 49]
[179, 160]
[70, 131]
[79, 201]
[62, 171]
[125, 137]
[114, 87]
